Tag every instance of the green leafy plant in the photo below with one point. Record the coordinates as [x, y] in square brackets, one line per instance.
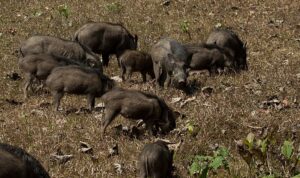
[287, 149]
[64, 10]
[37, 13]
[258, 152]
[201, 165]
[249, 141]
[184, 26]
[192, 129]
[114, 7]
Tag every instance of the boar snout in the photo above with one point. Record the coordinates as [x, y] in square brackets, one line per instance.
[181, 83]
[180, 80]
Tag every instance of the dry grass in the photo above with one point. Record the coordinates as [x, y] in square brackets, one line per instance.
[269, 27]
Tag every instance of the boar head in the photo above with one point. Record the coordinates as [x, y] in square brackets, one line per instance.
[168, 119]
[177, 71]
[133, 42]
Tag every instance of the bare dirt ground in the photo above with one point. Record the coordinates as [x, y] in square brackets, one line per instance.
[270, 28]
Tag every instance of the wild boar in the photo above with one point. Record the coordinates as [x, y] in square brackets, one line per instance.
[10, 166]
[39, 66]
[210, 57]
[106, 39]
[60, 47]
[192, 48]
[155, 161]
[17, 163]
[132, 61]
[80, 81]
[169, 62]
[228, 39]
[136, 105]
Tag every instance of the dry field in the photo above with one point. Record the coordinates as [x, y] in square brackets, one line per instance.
[271, 29]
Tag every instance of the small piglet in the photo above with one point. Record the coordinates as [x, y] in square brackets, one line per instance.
[78, 80]
[156, 161]
[211, 58]
[136, 105]
[39, 66]
[136, 61]
[17, 163]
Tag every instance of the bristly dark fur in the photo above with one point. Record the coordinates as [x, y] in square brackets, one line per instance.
[34, 169]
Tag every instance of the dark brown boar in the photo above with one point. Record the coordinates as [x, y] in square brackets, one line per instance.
[155, 161]
[39, 66]
[230, 40]
[80, 81]
[210, 57]
[17, 163]
[136, 105]
[136, 61]
[170, 60]
[106, 39]
[60, 47]
[10, 166]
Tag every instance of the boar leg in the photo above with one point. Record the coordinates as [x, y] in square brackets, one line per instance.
[105, 58]
[119, 63]
[149, 127]
[57, 97]
[91, 101]
[144, 76]
[129, 73]
[212, 70]
[123, 71]
[168, 80]
[157, 73]
[151, 74]
[143, 172]
[109, 116]
[28, 81]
